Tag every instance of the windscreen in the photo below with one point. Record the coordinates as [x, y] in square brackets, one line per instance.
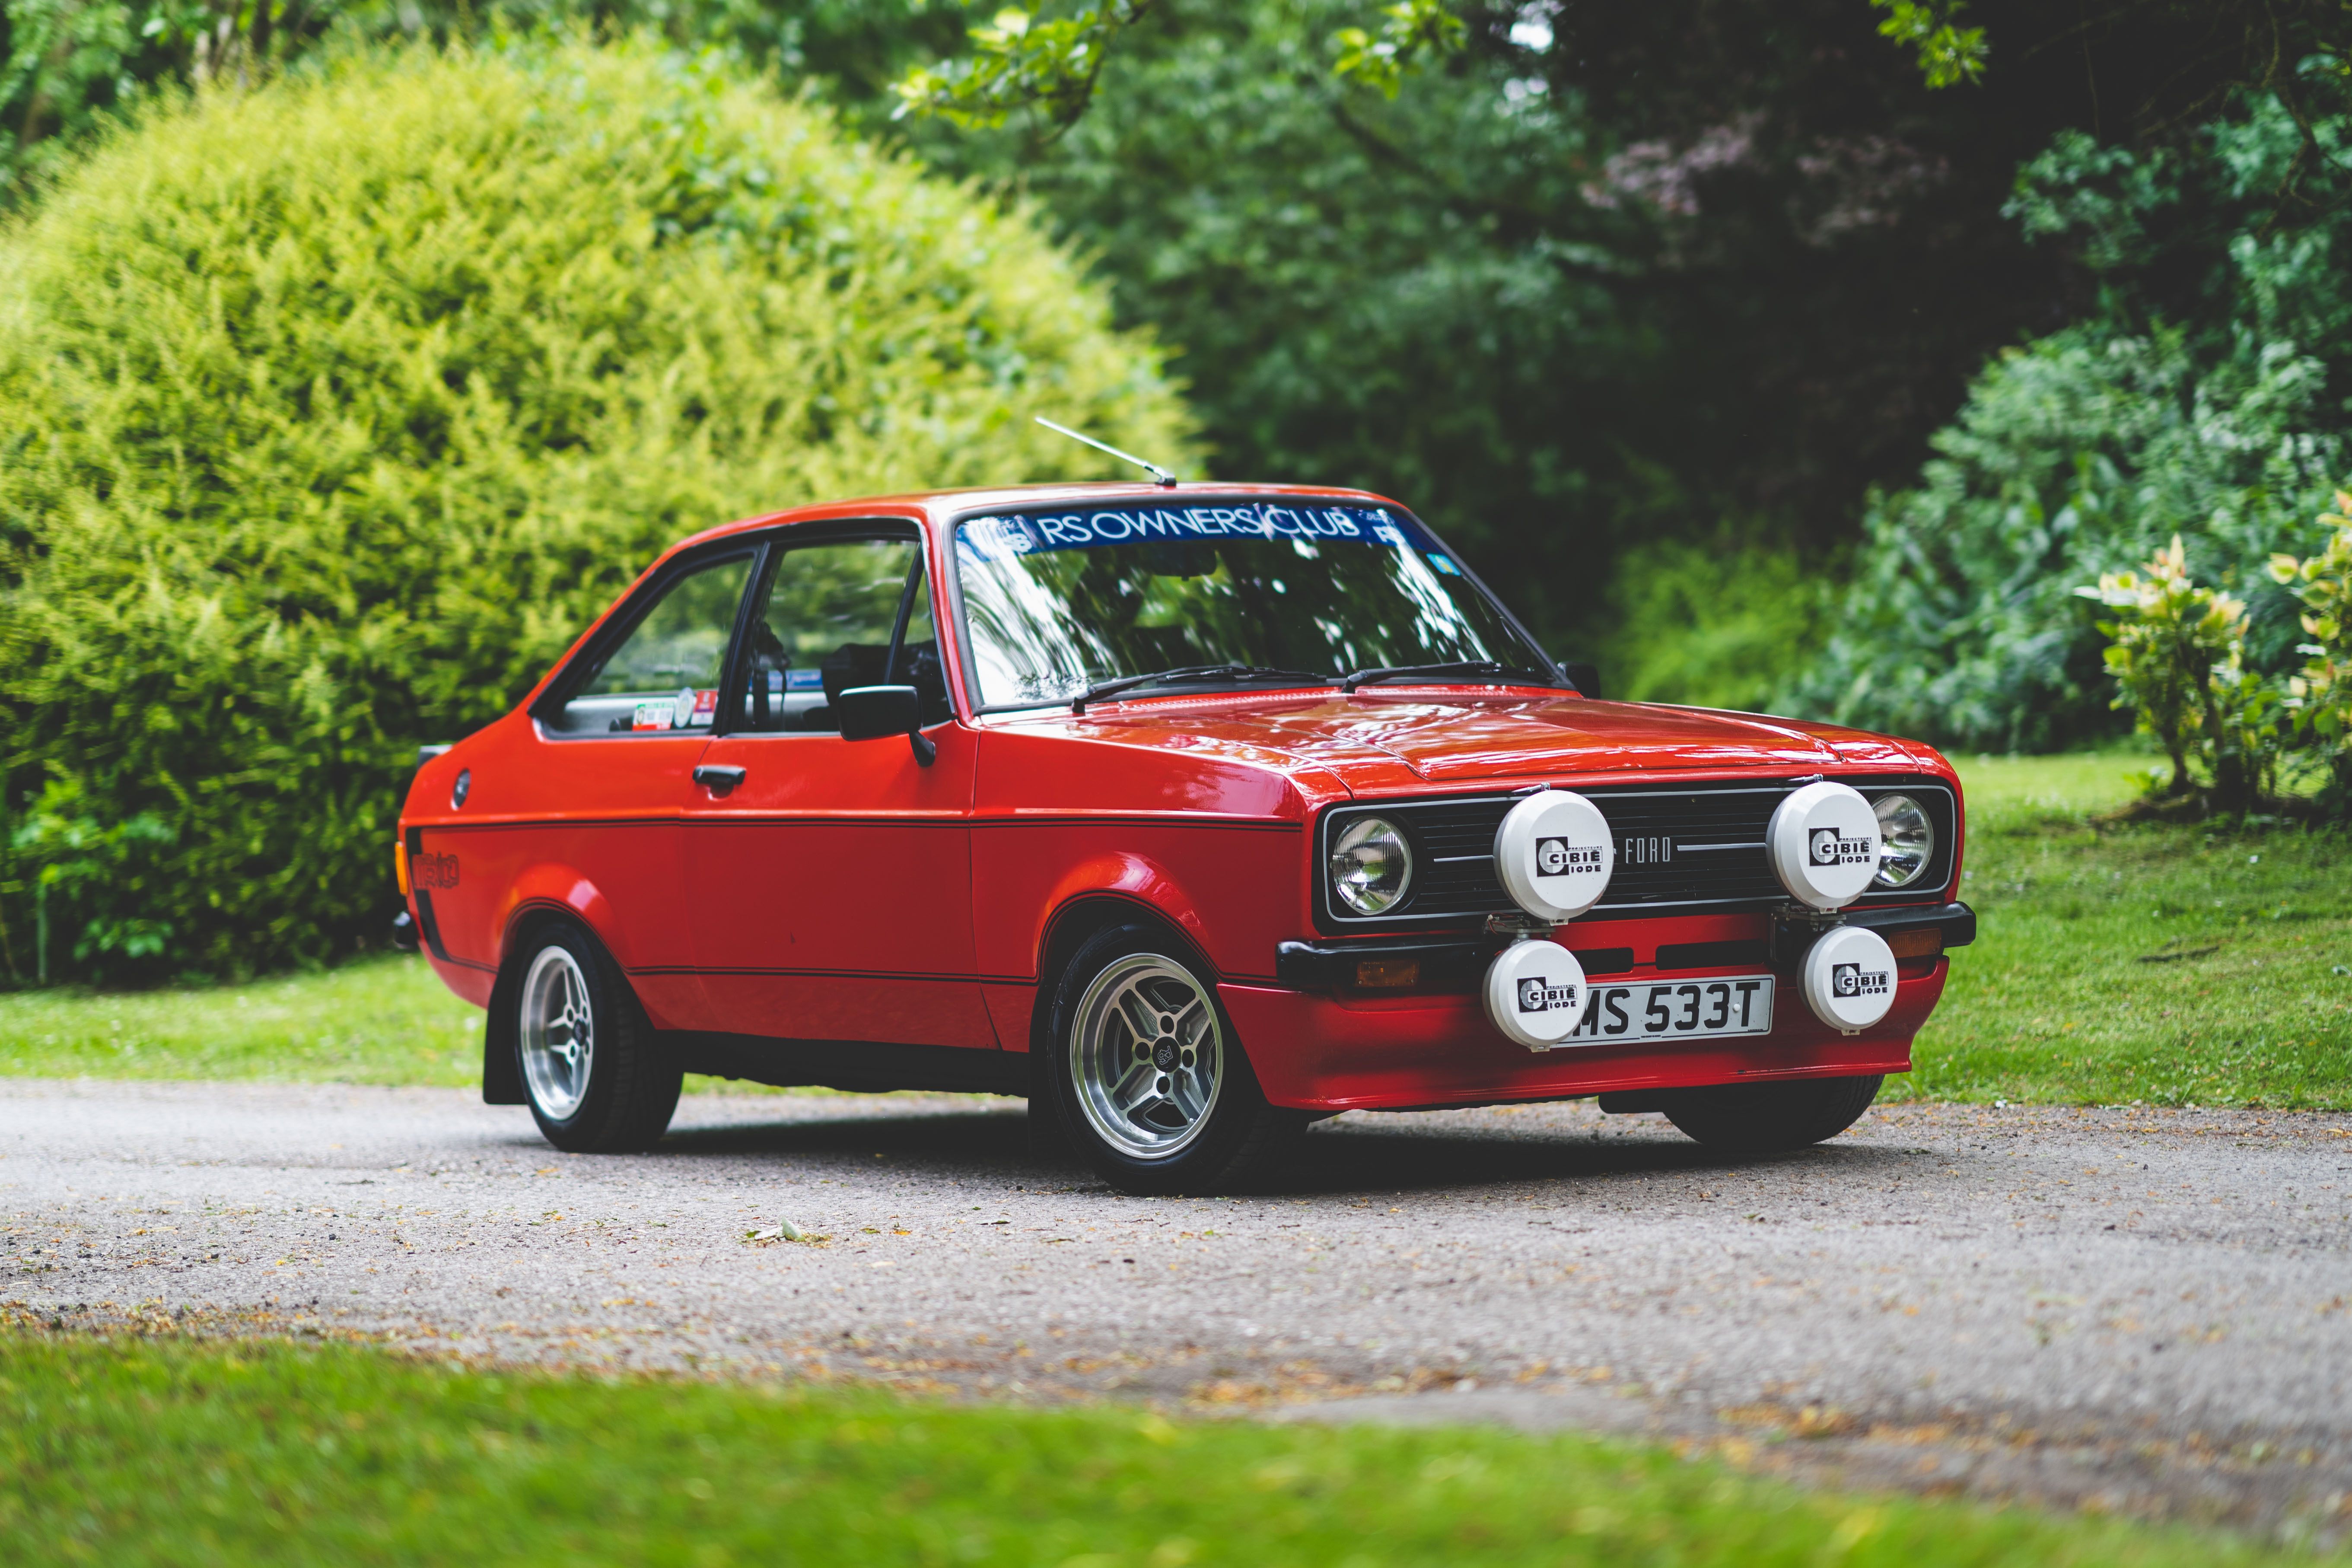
[1056, 601]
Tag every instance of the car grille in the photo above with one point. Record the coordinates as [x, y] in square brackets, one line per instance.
[1679, 850]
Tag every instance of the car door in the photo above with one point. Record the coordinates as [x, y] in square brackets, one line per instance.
[619, 737]
[831, 888]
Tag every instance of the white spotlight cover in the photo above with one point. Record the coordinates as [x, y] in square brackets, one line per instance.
[1535, 994]
[1849, 978]
[1554, 854]
[1823, 841]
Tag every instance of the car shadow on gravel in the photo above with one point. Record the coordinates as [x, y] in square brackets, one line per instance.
[1334, 1161]
[960, 1139]
[1393, 1160]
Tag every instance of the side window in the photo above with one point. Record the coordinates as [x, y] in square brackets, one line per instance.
[823, 623]
[665, 674]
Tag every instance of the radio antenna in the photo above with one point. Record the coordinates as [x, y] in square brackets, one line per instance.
[1159, 476]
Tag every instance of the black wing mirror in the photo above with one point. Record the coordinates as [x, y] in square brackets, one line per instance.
[1585, 678]
[878, 713]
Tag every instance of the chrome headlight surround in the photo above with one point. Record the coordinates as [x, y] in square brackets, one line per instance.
[1370, 865]
[1907, 840]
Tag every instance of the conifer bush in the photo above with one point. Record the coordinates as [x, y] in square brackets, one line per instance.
[336, 409]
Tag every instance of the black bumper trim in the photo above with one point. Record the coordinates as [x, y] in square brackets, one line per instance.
[1959, 921]
[1457, 965]
[1445, 965]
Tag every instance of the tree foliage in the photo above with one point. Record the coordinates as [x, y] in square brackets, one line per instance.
[1597, 279]
[1020, 61]
[1566, 334]
[69, 67]
[2200, 395]
[339, 407]
[1948, 54]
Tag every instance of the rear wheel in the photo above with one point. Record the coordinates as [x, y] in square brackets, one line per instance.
[1770, 1118]
[1151, 1085]
[596, 1079]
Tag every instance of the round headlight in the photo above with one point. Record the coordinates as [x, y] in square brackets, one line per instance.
[1371, 867]
[1907, 840]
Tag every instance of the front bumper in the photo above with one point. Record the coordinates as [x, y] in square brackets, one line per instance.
[1320, 1041]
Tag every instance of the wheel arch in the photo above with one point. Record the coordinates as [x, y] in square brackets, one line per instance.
[1078, 920]
[501, 1064]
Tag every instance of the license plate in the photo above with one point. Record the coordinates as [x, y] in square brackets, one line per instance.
[1676, 1010]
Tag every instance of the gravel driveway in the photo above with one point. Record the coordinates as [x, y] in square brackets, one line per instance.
[2144, 1310]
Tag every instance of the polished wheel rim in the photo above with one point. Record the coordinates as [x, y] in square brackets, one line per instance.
[1146, 1056]
[559, 1033]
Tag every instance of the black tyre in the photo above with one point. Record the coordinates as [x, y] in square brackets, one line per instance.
[596, 1078]
[1770, 1118]
[1150, 1082]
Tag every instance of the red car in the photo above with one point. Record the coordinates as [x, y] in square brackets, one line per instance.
[1193, 814]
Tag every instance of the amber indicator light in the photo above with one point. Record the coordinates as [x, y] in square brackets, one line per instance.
[400, 867]
[1925, 943]
[1385, 973]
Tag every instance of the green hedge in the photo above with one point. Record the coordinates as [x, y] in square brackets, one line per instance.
[336, 409]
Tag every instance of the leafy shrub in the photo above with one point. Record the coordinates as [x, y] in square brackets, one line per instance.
[2319, 697]
[2177, 654]
[2073, 456]
[2203, 398]
[338, 408]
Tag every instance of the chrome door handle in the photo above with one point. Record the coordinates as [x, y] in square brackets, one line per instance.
[718, 780]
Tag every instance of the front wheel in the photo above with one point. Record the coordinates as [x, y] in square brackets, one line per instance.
[1770, 1118]
[597, 1081]
[1152, 1086]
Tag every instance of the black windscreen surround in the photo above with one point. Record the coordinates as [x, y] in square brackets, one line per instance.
[1681, 850]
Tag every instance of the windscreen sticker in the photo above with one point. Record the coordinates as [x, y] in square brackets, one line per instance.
[1003, 538]
[655, 715]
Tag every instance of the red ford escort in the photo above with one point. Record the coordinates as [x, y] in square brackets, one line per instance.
[1192, 813]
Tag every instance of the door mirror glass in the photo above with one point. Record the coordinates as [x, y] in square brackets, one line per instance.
[664, 674]
[876, 712]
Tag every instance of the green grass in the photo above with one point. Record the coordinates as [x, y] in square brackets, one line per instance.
[380, 1021]
[2166, 964]
[2246, 997]
[383, 1020]
[163, 1451]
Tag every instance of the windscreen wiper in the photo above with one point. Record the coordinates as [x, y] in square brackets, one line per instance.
[1355, 677]
[1102, 689]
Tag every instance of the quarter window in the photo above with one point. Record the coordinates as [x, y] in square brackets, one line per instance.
[665, 675]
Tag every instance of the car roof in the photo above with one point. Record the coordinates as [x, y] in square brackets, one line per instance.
[940, 505]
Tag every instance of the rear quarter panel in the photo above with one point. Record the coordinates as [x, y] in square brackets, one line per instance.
[555, 825]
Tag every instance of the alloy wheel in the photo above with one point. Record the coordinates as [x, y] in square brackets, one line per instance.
[1146, 1056]
[559, 1033]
